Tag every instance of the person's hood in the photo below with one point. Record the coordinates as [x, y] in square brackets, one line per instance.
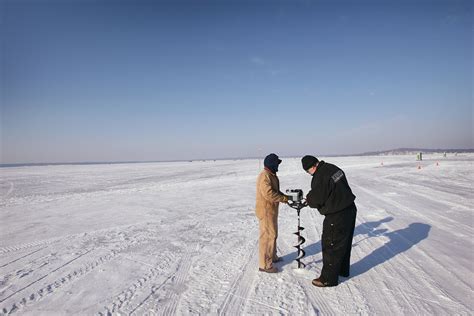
[272, 162]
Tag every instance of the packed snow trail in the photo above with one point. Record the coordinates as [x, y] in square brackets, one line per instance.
[181, 238]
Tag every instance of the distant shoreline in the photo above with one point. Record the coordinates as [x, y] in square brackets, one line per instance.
[394, 152]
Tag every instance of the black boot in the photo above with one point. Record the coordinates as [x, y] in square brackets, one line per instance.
[320, 283]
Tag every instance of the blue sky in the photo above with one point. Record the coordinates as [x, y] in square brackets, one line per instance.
[156, 80]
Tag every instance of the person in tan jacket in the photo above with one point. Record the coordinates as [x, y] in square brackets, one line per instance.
[268, 198]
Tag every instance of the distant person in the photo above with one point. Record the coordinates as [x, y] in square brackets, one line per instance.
[268, 199]
[331, 195]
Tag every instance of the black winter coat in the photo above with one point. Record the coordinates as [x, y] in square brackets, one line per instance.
[330, 191]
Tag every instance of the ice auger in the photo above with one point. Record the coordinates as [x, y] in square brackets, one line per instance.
[297, 202]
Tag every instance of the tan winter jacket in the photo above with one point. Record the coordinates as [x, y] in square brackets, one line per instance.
[268, 193]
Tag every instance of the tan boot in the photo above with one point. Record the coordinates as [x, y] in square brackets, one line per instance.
[269, 270]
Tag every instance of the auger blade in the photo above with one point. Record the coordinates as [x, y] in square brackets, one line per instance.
[301, 264]
[301, 254]
[299, 244]
[298, 232]
[301, 240]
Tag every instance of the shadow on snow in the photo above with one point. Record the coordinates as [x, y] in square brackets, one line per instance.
[399, 241]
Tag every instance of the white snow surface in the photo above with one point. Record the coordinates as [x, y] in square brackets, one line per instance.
[181, 238]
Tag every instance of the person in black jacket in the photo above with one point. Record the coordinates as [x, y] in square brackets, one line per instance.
[331, 195]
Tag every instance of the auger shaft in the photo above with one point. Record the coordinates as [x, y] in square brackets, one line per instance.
[301, 240]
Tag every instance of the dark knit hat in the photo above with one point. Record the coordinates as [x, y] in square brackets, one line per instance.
[272, 159]
[271, 162]
[308, 161]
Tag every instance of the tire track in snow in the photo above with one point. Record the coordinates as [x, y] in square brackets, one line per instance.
[398, 303]
[448, 200]
[177, 284]
[237, 296]
[73, 237]
[163, 296]
[76, 274]
[164, 289]
[154, 289]
[86, 240]
[10, 278]
[22, 257]
[28, 267]
[39, 294]
[46, 242]
[220, 262]
[172, 286]
[393, 270]
[420, 215]
[421, 282]
[123, 301]
[408, 210]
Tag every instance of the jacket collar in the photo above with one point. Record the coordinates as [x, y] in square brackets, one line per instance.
[269, 171]
[318, 165]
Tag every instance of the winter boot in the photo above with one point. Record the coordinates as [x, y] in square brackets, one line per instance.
[269, 270]
[320, 283]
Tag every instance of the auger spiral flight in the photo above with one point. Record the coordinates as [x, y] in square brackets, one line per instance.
[297, 202]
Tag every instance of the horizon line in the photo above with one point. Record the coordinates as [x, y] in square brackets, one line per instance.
[368, 153]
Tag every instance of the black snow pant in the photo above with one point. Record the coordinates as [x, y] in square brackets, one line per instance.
[338, 230]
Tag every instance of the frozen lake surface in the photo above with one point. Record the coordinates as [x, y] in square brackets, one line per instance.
[181, 238]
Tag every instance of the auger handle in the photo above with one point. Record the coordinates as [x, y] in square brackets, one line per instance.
[298, 205]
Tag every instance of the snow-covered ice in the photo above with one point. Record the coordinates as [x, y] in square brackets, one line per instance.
[181, 238]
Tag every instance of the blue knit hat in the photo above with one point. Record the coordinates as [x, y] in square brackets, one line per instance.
[271, 162]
